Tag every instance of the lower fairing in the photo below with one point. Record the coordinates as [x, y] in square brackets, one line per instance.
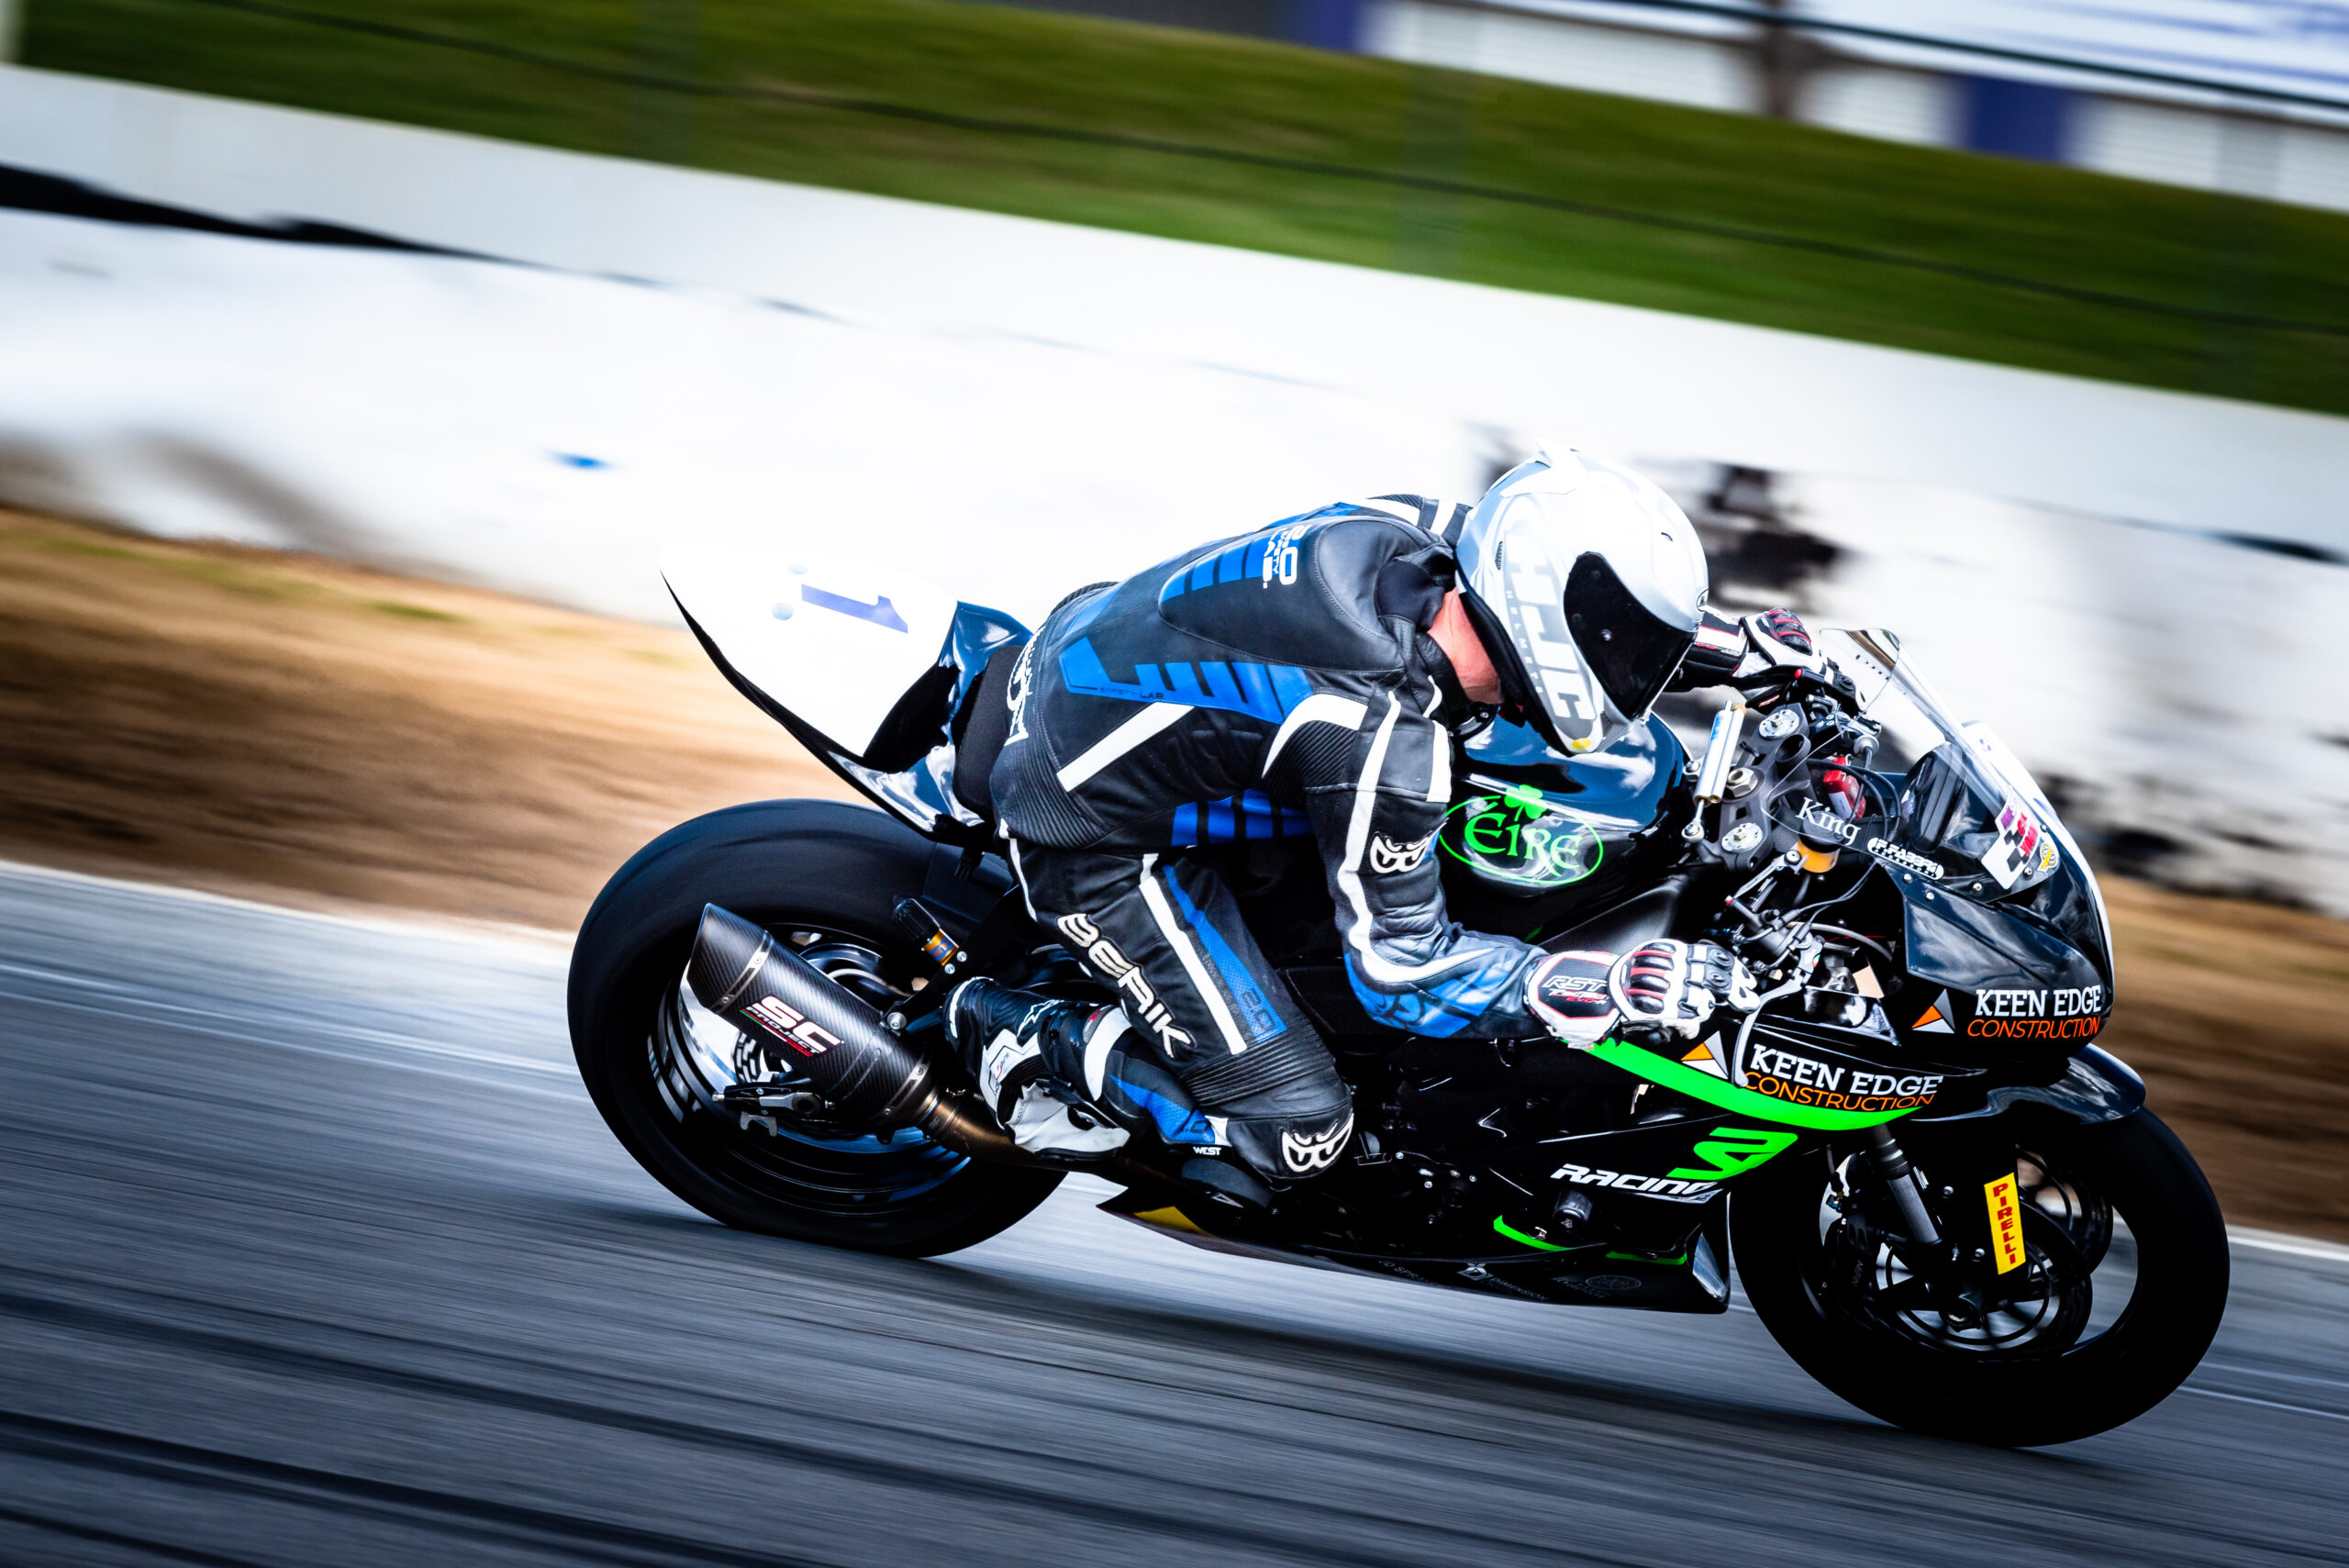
[1694, 1278]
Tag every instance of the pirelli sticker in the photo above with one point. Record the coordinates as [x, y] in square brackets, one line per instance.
[2005, 1222]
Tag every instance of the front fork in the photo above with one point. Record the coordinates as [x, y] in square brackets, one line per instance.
[1957, 1245]
[1908, 1196]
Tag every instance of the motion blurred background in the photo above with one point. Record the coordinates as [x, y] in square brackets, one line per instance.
[356, 362]
[358, 359]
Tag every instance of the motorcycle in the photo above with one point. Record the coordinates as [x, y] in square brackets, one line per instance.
[1945, 1201]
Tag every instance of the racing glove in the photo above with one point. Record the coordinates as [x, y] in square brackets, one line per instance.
[1677, 986]
[1776, 638]
[1568, 991]
[1721, 649]
[1782, 624]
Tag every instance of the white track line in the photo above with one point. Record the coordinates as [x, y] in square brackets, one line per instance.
[2277, 1241]
[2265, 1404]
[535, 940]
[2279, 1376]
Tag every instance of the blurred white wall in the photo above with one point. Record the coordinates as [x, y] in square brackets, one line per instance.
[1019, 407]
[549, 433]
[1622, 380]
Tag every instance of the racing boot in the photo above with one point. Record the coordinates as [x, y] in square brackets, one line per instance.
[1025, 1052]
[1060, 1077]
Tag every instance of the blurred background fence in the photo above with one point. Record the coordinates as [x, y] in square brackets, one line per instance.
[2172, 219]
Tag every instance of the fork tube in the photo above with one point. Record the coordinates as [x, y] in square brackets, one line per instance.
[1892, 1163]
[1720, 753]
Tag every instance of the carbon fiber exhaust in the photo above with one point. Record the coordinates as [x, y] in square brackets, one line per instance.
[849, 1052]
[835, 1037]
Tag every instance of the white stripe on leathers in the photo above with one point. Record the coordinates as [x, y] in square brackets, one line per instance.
[1096, 1049]
[1377, 967]
[1158, 716]
[1322, 707]
[1020, 874]
[1180, 940]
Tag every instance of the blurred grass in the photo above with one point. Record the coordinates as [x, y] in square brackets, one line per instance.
[2184, 250]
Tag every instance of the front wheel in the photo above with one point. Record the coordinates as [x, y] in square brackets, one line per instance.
[824, 877]
[2122, 1286]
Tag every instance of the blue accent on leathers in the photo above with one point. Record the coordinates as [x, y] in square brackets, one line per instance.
[1255, 1014]
[1240, 562]
[1442, 1008]
[1265, 692]
[1252, 814]
[1176, 1124]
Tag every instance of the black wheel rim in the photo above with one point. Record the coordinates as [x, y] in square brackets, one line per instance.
[2074, 1291]
[778, 1158]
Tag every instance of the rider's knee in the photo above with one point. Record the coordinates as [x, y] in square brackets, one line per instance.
[1292, 1146]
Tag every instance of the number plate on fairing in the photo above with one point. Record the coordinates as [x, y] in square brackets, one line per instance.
[830, 637]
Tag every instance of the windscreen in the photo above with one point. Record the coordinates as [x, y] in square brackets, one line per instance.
[1969, 817]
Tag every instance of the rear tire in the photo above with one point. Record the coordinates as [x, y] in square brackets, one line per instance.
[2020, 1399]
[790, 865]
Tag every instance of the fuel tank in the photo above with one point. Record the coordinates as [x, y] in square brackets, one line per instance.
[1535, 841]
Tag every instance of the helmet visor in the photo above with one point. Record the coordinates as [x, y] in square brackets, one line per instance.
[1630, 651]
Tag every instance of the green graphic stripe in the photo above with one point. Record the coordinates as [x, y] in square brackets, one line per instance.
[1514, 1234]
[1685, 1080]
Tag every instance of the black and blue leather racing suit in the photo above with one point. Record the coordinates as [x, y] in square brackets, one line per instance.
[1277, 685]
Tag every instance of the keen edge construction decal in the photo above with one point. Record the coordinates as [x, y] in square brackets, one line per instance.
[1670, 1074]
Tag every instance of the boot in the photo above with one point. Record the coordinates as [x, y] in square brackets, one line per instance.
[1011, 1043]
[1058, 1076]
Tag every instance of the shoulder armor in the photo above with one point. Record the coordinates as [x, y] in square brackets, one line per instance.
[1306, 589]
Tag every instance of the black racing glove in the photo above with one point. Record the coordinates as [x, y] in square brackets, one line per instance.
[1784, 627]
[1675, 986]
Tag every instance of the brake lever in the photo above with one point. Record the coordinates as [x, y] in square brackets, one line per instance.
[1798, 975]
[1795, 684]
[1761, 928]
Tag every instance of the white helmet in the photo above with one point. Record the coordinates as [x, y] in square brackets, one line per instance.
[1585, 582]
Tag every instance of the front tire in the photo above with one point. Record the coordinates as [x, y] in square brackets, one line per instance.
[2047, 1374]
[826, 876]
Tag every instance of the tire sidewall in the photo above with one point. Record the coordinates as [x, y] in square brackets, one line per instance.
[823, 862]
[2136, 1163]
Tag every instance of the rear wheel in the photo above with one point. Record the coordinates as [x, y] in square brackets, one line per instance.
[2122, 1283]
[824, 877]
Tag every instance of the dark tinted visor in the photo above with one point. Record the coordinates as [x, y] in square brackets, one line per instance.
[1630, 651]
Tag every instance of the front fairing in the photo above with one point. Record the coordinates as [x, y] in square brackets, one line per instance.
[2002, 974]
[2005, 939]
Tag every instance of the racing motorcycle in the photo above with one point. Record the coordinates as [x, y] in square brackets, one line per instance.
[1943, 1198]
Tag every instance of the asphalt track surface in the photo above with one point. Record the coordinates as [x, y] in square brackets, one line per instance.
[312, 1251]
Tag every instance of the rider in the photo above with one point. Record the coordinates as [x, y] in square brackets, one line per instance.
[1309, 680]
